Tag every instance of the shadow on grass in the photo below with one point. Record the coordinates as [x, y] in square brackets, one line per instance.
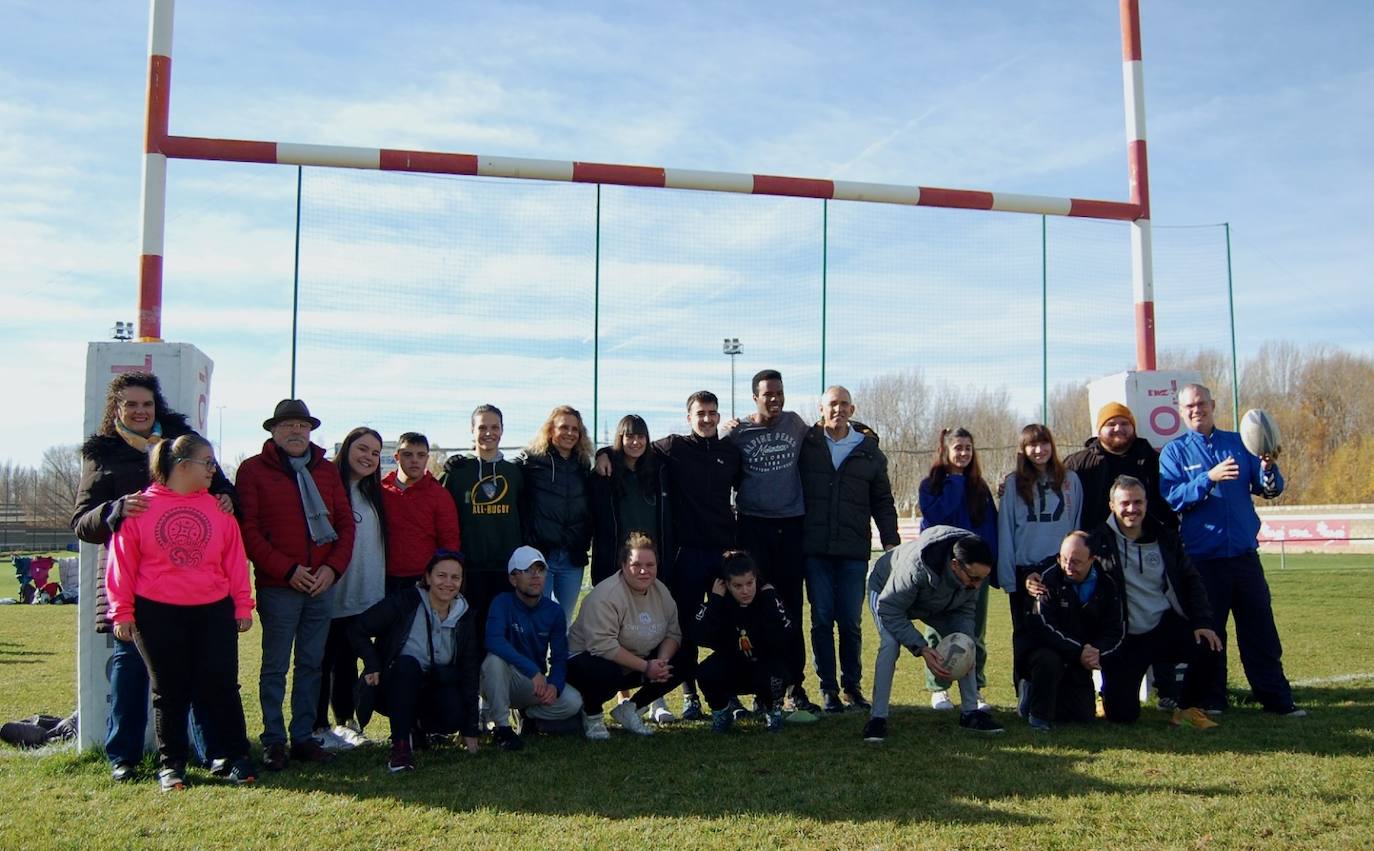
[927, 770]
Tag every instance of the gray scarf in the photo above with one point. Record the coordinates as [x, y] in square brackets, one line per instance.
[316, 515]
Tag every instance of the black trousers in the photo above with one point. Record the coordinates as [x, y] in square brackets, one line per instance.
[396, 583]
[694, 572]
[723, 676]
[776, 545]
[192, 654]
[599, 679]
[417, 700]
[339, 673]
[1169, 643]
[1061, 688]
[479, 589]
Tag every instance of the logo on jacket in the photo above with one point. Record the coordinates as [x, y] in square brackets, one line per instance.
[183, 534]
[487, 493]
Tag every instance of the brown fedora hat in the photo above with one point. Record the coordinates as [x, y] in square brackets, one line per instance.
[290, 409]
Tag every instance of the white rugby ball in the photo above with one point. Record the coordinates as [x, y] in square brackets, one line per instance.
[958, 652]
[1260, 433]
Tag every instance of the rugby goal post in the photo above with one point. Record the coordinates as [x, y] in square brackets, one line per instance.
[160, 145]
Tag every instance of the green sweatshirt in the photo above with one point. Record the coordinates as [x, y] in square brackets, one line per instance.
[488, 498]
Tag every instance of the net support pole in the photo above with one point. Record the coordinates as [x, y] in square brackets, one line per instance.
[1044, 323]
[1142, 262]
[153, 200]
[296, 283]
[825, 273]
[596, 322]
[1231, 309]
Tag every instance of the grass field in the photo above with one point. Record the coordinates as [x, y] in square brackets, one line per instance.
[1257, 781]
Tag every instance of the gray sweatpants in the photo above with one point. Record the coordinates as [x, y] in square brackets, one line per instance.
[505, 688]
[885, 668]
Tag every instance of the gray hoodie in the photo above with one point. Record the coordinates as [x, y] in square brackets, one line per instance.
[913, 582]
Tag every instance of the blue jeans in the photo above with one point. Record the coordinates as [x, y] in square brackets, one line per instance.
[835, 587]
[564, 583]
[291, 618]
[126, 730]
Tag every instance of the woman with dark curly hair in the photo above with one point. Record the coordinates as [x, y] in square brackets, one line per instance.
[114, 472]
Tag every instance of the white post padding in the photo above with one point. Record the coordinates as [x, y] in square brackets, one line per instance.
[184, 372]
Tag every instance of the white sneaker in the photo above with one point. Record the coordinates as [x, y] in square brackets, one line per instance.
[940, 700]
[331, 742]
[349, 736]
[594, 728]
[627, 716]
[659, 712]
[983, 705]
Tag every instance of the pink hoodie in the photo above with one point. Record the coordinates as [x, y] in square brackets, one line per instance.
[183, 550]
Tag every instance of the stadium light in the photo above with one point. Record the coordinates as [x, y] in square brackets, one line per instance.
[731, 347]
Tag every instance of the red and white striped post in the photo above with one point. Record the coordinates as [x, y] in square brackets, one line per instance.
[1142, 250]
[154, 201]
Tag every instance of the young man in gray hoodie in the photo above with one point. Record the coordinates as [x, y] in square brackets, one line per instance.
[935, 580]
[1168, 617]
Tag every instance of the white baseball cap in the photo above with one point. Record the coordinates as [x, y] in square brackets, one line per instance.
[523, 558]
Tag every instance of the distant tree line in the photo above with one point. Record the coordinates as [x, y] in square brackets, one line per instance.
[1321, 398]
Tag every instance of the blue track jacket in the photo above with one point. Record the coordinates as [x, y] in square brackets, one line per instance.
[523, 637]
[1219, 520]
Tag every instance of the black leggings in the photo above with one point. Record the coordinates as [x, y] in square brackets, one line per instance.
[597, 679]
[192, 654]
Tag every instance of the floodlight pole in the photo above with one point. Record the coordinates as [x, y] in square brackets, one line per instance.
[732, 348]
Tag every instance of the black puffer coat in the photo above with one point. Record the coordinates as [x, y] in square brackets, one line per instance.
[111, 469]
[554, 508]
[839, 502]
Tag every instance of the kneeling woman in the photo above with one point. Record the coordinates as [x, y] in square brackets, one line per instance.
[627, 636]
[424, 660]
[177, 583]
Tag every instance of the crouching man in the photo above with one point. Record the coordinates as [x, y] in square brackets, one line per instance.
[1075, 626]
[1168, 618]
[934, 579]
[751, 633]
[527, 652]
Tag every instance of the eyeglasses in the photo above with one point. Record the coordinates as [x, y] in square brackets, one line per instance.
[207, 463]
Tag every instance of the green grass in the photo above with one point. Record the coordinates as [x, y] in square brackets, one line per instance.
[1257, 781]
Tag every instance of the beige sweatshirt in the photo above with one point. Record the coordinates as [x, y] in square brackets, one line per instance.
[613, 616]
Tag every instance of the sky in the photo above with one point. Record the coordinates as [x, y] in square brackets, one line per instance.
[423, 297]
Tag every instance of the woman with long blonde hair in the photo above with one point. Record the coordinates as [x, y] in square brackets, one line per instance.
[555, 510]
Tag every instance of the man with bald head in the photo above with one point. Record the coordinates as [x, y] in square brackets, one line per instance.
[844, 483]
[1074, 625]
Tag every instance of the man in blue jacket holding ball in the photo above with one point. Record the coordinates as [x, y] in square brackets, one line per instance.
[1208, 476]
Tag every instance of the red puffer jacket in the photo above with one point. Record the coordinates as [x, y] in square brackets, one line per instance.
[420, 519]
[274, 530]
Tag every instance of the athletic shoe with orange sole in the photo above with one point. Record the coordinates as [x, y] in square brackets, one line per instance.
[1193, 717]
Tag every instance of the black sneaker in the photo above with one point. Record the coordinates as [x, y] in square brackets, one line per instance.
[875, 730]
[171, 778]
[830, 701]
[242, 772]
[507, 739]
[979, 721]
[691, 708]
[123, 772]
[856, 699]
[800, 702]
[274, 758]
[309, 750]
[221, 767]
